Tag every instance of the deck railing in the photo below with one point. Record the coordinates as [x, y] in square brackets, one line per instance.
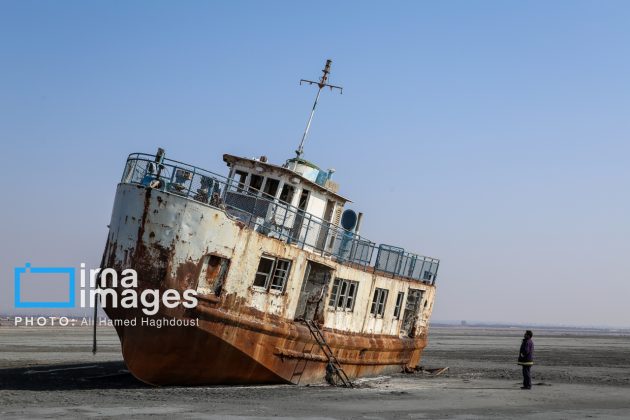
[274, 218]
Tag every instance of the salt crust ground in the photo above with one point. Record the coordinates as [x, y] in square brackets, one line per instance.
[50, 372]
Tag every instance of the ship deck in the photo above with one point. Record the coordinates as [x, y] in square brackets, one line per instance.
[274, 218]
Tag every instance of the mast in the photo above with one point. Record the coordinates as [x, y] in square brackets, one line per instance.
[323, 82]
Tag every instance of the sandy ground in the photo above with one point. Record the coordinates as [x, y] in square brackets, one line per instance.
[50, 372]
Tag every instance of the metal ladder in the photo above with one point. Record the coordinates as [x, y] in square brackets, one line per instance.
[332, 360]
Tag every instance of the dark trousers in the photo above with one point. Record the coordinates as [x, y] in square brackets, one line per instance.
[527, 376]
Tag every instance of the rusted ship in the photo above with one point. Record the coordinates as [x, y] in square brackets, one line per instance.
[288, 291]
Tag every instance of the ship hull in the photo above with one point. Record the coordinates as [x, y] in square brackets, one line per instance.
[223, 350]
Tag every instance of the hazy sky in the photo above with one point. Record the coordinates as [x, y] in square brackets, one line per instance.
[491, 134]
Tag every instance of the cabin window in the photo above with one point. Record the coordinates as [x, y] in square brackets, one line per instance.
[263, 273]
[287, 193]
[280, 275]
[427, 275]
[212, 275]
[271, 188]
[272, 273]
[378, 302]
[344, 293]
[304, 199]
[255, 183]
[239, 180]
[398, 307]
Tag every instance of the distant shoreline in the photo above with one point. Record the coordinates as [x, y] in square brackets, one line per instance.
[568, 328]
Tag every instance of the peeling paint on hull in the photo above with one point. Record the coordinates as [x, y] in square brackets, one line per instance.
[244, 335]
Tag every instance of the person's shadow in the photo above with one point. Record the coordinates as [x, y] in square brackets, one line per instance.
[101, 375]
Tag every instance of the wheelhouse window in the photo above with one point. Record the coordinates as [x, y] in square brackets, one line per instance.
[343, 295]
[255, 183]
[398, 307]
[271, 188]
[287, 193]
[378, 302]
[239, 180]
[272, 273]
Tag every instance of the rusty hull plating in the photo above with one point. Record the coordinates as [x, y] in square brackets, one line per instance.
[246, 335]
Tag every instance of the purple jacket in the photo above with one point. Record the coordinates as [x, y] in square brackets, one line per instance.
[526, 354]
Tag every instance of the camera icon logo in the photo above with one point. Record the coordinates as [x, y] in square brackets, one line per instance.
[37, 275]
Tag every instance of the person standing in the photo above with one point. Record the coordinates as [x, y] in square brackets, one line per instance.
[526, 359]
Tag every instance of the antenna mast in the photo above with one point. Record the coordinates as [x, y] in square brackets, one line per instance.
[323, 82]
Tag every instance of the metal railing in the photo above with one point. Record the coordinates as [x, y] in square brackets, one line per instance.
[397, 261]
[272, 217]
